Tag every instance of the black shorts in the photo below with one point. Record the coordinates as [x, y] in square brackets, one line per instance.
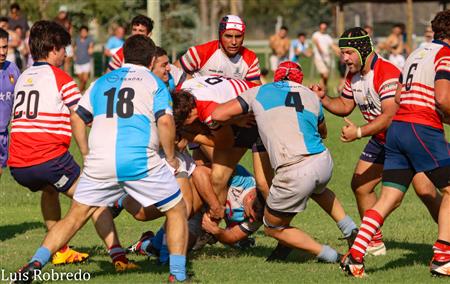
[248, 138]
[60, 172]
[373, 152]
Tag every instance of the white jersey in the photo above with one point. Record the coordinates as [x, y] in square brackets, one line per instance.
[124, 106]
[209, 91]
[325, 42]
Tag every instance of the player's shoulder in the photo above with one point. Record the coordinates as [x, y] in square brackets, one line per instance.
[207, 48]
[444, 51]
[385, 69]
[248, 55]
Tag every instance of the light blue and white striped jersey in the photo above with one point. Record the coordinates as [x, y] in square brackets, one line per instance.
[124, 106]
[287, 115]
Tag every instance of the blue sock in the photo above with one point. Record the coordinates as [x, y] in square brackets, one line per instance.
[328, 254]
[346, 226]
[178, 266]
[157, 240]
[42, 255]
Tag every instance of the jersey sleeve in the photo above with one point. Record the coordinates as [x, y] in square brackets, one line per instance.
[205, 110]
[84, 108]
[246, 99]
[386, 80]
[190, 61]
[254, 72]
[116, 61]
[162, 102]
[68, 89]
[442, 64]
[347, 91]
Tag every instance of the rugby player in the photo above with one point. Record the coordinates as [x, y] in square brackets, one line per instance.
[45, 96]
[290, 121]
[140, 25]
[131, 108]
[8, 78]
[223, 57]
[415, 144]
[370, 84]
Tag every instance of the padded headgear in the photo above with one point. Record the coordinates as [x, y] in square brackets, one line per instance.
[231, 22]
[362, 44]
[290, 71]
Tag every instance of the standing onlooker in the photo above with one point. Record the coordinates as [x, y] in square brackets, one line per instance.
[16, 18]
[279, 43]
[394, 45]
[114, 42]
[12, 41]
[299, 48]
[322, 47]
[84, 48]
[8, 78]
[63, 19]
[427, 37]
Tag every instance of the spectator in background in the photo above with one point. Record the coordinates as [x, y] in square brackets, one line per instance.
[22, 49]
[63, 19]
[13, 41]
[427, 37]
[84, 48]
[16, 18]
[299, 48]
[394, 46]
[323, 45]
[369, 30]
[114, 42]
[280, 44]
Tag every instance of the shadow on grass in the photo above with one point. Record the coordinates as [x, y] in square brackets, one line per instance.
[10, 231]
[416, 253]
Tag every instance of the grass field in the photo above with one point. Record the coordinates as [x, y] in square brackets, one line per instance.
[409, 234]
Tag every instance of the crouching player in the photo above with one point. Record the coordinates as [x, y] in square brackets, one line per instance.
[290, 122]
[131, 109]
[415, 144]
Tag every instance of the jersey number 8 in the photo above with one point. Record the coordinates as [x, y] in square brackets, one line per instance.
[124, 105]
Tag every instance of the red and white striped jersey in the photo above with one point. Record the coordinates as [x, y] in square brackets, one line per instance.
[423, 67]
[209, 91]
[209, 59]
[369, 90]
[117, 60]
[40, 127]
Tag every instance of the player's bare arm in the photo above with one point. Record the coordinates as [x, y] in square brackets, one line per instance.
[79, 132]
[351, 131]
[226, 111]
[338, 106]
[442, 94]
[166, 132]
[225, 236]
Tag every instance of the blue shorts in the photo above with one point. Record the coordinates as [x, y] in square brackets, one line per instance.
[3, 148]
[373, 152]
[415, 146]
[61, 172]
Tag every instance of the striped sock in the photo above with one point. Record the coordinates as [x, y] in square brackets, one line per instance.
[117, 253]
[378, 237]
[371, 222]
[441, 251]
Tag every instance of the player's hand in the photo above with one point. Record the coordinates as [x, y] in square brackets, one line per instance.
[246, 120]
[349, 131]
[319, 90]
[182, 144]
[217, 212]
[209, 225]
[173, 164]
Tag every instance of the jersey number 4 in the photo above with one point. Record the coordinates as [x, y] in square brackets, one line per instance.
[124, 104]
[293, 99]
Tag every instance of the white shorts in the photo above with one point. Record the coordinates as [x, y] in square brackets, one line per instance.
[293, 185]
[323, 67]
[82, 68]
[159, 188]
[187, 164]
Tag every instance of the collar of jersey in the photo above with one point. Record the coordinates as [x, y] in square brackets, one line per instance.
[40, 63]
[134, 66]
[441, 42]
[5, 65]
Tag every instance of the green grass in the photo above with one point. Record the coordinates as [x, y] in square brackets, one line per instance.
[409, 234]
